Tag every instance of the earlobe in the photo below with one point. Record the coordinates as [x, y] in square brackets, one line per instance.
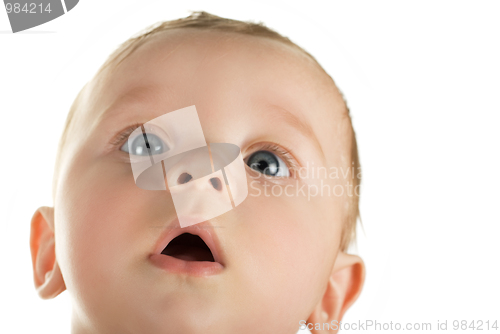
[46, 272]
[343, 288]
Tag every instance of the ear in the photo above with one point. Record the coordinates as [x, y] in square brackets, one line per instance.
[46, 272]
[343, 288]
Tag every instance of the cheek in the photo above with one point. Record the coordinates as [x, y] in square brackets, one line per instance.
[104, 219]
[292, 246]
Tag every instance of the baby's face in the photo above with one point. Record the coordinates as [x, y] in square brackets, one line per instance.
[275, 252]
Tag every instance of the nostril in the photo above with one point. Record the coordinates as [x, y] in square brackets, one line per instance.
[184, 178]
[216, 183]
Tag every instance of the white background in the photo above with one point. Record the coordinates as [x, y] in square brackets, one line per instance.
[422, 80]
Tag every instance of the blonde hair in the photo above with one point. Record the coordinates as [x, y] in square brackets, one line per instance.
[206, 21]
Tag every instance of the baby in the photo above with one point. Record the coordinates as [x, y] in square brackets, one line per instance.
[276, 262]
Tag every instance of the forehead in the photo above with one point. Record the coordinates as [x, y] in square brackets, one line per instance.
[221, 71]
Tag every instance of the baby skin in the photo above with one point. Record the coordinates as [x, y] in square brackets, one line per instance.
[276, 260]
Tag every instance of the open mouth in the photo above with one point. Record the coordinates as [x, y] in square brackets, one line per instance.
[188, 247]
[192, 250]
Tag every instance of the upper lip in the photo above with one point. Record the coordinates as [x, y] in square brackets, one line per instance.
[205, 230]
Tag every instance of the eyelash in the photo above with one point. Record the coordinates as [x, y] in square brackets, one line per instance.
[123, 135]
[285, 154]
[281, 152]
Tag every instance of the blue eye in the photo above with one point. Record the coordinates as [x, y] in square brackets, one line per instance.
[143, 143]
[268, 163]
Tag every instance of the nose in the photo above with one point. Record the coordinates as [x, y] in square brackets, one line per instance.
[197, 192]
[215, 182]
[190, 167]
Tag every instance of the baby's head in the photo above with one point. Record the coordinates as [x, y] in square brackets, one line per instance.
[278, 258]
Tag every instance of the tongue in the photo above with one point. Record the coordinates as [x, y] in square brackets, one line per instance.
[188, 253]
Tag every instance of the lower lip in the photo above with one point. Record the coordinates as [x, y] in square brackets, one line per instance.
[192, 268]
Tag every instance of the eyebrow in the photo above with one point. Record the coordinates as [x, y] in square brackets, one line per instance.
[304, 128]
[140, 96]
[137, 96]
